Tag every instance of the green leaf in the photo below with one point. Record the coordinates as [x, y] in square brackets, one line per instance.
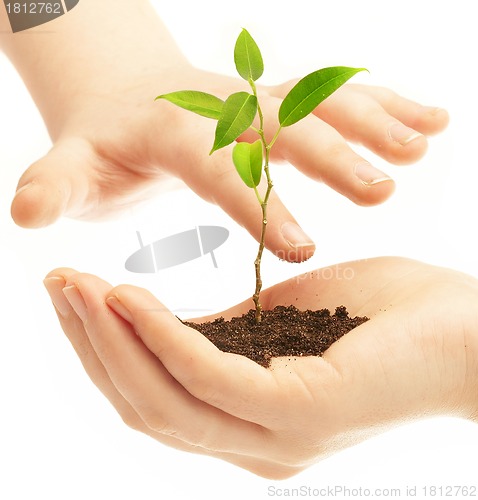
[247, 159]
[309, 92]
[237, 116]
[198, 102]
[247, 57]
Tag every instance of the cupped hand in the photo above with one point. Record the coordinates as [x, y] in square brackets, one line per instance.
[114, 146]
[415, 357]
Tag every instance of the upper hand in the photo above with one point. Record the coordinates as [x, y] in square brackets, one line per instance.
[114, 146]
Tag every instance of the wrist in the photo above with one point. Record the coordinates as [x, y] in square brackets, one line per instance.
[88, 51]
[465, 334]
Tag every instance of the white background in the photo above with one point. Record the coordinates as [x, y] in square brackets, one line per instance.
[59, 438]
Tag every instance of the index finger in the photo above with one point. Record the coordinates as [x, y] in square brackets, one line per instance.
[230, 382]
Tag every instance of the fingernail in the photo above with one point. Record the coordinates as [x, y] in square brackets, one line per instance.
[402, 134]
[119, 308]
[295, 236]
[54, 286]
[23, 188]
[435, 111]
[369, 175]
[76, 301]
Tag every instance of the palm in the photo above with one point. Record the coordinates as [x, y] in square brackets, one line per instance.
[388, 369]
[133, 145]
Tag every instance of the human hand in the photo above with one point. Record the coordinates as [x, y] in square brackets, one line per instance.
[415, 357]
[114, 146]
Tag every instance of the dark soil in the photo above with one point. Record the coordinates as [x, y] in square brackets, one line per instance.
[283, 331]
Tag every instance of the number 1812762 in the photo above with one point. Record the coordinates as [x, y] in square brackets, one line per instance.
[32, 8]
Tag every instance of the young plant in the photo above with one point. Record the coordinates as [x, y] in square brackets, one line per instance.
[237, 114]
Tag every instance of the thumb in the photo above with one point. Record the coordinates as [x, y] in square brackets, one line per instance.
[55, 185]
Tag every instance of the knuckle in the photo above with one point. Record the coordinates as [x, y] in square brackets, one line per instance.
[209, 396]
[385, 95]
[132, 420]
[158, 423]
[299, 457]
[203, 390]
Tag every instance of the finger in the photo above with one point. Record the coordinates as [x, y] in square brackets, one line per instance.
[73, 327]
[55, 185]
[163, 404]
[230, 382]
[362, 119]
[320, 152]
[214, 178]
[428, 120]
[281, 399]
[381, 120]
[284, 236]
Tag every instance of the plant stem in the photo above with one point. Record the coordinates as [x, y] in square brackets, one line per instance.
[257, 262]
[263, 202]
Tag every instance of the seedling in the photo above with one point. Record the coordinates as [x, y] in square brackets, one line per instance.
[237, 113]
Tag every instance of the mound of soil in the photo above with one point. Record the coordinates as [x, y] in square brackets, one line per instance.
[283, 331]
